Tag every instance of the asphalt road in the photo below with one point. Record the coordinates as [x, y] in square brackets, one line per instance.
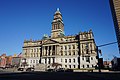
[59, 76]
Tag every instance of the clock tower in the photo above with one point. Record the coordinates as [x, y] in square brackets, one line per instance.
[57, 25]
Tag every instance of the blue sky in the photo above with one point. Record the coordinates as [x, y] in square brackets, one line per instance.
[31, 19]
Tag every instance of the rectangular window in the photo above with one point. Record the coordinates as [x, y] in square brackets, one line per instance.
[31, 50]
[69, 60]
[34, 50]
[74, 60]
[37, 54]
[91, 58]
[61, 60]
[49, 61]
[45, 61]
[37, 49]
[87, 59]
[83, 66]
[33, 61]
[69, 66]
[74, 53]
[73, 46]
[65, 47]
[34, 55]
[87, 66]
[82, 46]
[74, 66]
[69, 53]
[61, 53]
[87, 48]
[61, 48]
[92, 65]
[69, 46]
[82, 58]
[65, 60]
[66, 53]
[36, 61]
[65, 66]
[31, 55]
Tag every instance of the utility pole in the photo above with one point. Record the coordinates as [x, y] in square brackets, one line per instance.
[98, 59]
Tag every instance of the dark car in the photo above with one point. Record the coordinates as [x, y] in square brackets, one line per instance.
[30, 69]
[20, 69]
[69, 70]
[50, 70]
[61, 70]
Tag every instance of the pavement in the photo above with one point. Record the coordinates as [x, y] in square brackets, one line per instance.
[60, 76]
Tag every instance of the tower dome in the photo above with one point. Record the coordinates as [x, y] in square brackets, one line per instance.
[58, 11]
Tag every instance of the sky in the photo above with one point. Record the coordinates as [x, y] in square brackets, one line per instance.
[31, 19]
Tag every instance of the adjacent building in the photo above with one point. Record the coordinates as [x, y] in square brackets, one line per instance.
[9, 61]
[107, 64]
[75, 51]
[115, 9]
[3, 60]
[115, 63]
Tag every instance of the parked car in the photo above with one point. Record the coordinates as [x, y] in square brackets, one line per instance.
[30, 69]
[20, 69]
[69, 70]
[61, 70]
[50, 70]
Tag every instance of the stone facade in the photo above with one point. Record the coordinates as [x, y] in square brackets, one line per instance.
[77, 51]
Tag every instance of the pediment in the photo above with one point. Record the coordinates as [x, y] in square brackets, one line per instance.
[50, 41]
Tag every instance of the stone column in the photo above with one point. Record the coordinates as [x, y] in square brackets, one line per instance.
[43, 50]
[51, 50]
[51, 60]
[55, 50]
[47, 50]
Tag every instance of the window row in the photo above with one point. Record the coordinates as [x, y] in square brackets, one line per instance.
[71, 39]
[88, 66]
[35, 55]
[68, 47]
[35, 50]
[34, 61]
[68, 60]
[87, 58]
[70, 66]
[86, 36]
[68, 53]
[32, 50]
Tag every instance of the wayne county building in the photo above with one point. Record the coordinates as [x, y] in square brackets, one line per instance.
[76, 51]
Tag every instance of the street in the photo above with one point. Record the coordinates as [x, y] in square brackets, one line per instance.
[59, 76]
